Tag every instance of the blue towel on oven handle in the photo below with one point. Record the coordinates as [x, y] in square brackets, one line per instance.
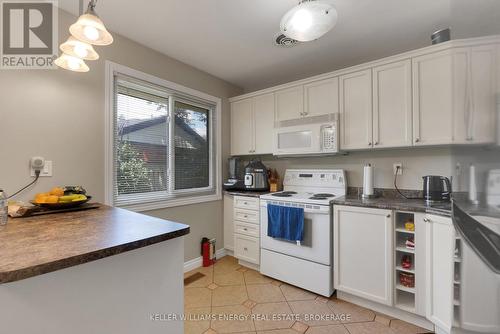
[285, 223]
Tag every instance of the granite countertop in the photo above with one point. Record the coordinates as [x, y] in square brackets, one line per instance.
[394, 203]
[42, 244]
[246, 193]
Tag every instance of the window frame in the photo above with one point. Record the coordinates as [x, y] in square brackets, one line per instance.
[151, 201]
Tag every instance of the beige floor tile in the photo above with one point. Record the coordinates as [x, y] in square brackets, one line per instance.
[300, 327]
[383, 318]
[197, 320]
[254, 277]
[403, 327]
[279, 331]
[293, 293]
[272, 316]
[331, 329]
[226, 264]
[232, 319]
[265, 293]
[314, 313]
[229, 295]
[197, 297]
[229, 278]
[372, 327]
[352, 313]
[202, 282]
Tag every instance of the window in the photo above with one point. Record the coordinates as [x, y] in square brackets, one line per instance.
[163, 144]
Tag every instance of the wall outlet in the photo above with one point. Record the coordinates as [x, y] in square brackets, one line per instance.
[46, 171]
[396, 170]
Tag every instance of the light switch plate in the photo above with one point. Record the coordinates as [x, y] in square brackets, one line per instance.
[46, 171]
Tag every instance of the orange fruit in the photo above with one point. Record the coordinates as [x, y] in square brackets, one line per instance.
[57, 191]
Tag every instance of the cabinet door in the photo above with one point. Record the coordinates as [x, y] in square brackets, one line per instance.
[432, 99]
[290, 103]
[363, 246]
[462, 99]
[321, 97]
[228, 223]
[483, 85]
[247, 248]
[440, 244]
[392, 123]
[263, 108]
[356, 110]
[242, 127]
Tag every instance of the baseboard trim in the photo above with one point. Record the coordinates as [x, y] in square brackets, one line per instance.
[198, 262]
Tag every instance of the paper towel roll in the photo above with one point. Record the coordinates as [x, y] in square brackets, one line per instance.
[472, 184]
[368, 180]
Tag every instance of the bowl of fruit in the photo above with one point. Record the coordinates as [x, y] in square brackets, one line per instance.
[62, 198]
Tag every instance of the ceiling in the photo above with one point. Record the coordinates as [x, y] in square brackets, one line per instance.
[233, 39]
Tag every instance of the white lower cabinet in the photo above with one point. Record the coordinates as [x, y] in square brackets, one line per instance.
[363, 252]
[228, 223]
[440, 250]
[246, 227]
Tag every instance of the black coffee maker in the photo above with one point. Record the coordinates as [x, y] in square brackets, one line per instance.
[437, 188]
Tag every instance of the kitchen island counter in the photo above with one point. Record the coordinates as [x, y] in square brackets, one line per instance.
[42, 244]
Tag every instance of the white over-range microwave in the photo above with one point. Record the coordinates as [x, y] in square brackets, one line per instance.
[307, 139]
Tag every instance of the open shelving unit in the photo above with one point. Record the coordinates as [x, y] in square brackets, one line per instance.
[457, 280]
[404, 295]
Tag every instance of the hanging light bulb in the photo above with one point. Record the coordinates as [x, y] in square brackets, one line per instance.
[76, 48]
[90, 29]
[309, 20]
[71, 63]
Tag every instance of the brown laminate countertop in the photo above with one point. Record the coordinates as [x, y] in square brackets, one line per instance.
[38, 245]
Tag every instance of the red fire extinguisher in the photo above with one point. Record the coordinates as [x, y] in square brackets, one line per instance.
[207, 251]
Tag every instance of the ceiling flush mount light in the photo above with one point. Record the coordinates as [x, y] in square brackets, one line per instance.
[76, 48]
[309, 20]
[90, 29]
[71, 63]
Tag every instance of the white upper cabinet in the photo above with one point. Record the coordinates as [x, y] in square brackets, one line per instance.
[242, 127]
[321, 97]
[356, 110]
[263, 107]
[433, 99]
[483, 83]
[289, 103]
[392, 109]
[252, 125]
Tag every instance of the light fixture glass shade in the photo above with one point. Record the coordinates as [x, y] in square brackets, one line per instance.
[309, 20]
[71, 63]
[90, 29]
[76, 48]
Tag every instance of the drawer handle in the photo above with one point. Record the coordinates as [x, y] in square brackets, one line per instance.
[245, 203]
[245, 229]
[245, 248]
[245, 216]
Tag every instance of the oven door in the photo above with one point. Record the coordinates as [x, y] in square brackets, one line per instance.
[317, 243]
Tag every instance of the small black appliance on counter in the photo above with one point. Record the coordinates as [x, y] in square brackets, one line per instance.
[235, 180]
[437, 188]
[256, 176]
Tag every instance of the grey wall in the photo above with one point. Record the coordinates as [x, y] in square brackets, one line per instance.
[417, 162]
[59, 114]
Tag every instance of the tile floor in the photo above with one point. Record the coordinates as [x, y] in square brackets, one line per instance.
[230, 298]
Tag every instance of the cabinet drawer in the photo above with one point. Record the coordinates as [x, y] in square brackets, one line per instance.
[247, 248]
[246, 216]
[249, 203]
[251, 230]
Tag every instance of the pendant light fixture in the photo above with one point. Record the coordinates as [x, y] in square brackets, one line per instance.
[88, 30]
[71, 63]
[309, 20]
[76, 48]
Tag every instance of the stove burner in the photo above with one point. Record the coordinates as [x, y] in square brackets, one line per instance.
[323, 196]
[281, 195]
[284, 194]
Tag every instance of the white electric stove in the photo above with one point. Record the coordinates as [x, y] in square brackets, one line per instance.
[308, 265]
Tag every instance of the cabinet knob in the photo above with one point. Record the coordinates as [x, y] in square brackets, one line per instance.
[417, 140]
[369, 143]
[245, 249]
[427, 220]
[388, 216]
[376, 143]
[245, 216]
[245, 229]
[245, 203]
